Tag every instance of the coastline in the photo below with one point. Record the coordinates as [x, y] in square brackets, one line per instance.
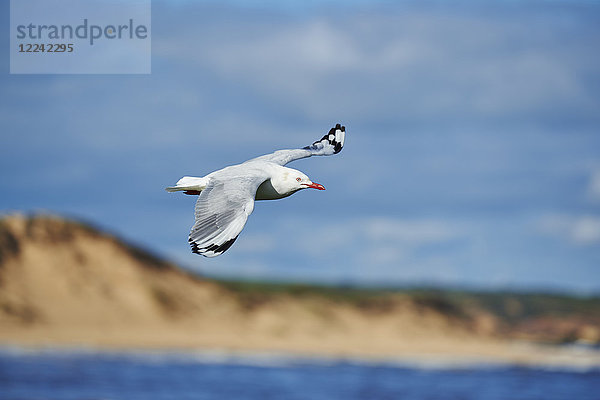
[555, 358]
[439, 353]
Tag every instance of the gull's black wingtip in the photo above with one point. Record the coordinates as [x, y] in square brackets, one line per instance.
[213, 249]
[336, 139]
[331, 143]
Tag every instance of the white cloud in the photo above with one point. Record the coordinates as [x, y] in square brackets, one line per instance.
[594, 185]
[414, 232]
[580, 230]
[368, 240]
[256, 243]
[586, 230]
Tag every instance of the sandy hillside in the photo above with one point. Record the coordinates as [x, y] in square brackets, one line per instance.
[66, 283]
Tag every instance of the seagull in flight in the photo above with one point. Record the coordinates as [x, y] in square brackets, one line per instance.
[226, 197]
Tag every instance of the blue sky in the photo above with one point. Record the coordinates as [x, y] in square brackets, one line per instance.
[472, 154]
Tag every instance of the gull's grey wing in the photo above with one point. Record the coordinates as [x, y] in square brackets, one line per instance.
[331, 143]
[221, 212]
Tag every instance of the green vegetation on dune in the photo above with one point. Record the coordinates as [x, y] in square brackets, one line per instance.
[256, 292]
[505, 304]
[514, 305]
[548, 317]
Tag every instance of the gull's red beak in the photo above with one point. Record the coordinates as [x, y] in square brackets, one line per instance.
[315, 186]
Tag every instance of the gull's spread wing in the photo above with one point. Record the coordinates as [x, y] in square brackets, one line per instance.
[331, 143]
[221, 212]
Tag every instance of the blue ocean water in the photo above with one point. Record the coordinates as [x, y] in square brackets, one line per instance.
[60, 375]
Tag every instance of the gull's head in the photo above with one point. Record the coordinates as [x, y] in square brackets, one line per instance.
[289, 181]
[304, 182]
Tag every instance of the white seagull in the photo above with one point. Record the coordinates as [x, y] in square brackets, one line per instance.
[226, 197]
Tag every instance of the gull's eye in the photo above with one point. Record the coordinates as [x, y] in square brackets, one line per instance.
[298, 179]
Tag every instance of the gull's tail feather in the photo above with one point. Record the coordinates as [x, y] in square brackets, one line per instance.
[189, 183]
